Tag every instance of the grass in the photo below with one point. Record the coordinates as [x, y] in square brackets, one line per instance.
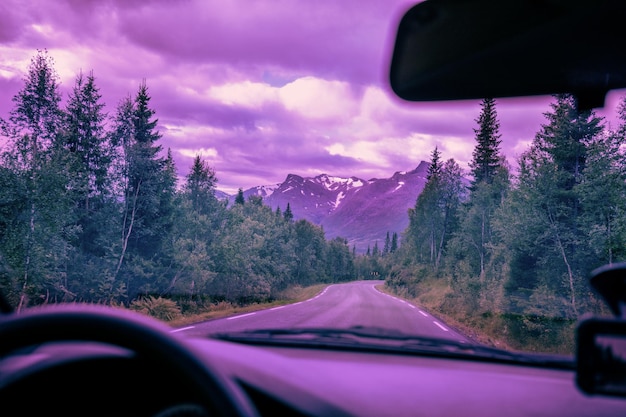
[225, 309]
[513, 332]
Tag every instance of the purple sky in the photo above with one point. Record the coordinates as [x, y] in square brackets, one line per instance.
[259, 88]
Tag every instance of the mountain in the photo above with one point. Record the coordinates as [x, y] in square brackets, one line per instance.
[362, 211]
[315, 198]
[367, 213]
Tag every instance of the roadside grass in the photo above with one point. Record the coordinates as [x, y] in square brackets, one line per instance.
[513, 332]
[226, 309]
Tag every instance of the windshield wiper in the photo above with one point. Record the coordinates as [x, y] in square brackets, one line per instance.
[377, 339]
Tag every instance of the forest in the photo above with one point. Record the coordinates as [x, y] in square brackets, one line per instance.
[90, 211]
[518, 248]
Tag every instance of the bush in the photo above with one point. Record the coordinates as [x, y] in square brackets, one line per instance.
[157, 307]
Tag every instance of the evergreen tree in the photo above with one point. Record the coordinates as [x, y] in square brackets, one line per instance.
[602, 193]
[434, 168]
[486, 159]
[546, 227]
[375, 250]
[40, 257]
[394, 242]
[489, 185]
[432, 221]
[240, 198]
[149, 183]
[288, 213]
[200, 185]
[89, 154]
[387, 247]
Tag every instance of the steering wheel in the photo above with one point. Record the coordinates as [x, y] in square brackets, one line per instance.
[146, 338]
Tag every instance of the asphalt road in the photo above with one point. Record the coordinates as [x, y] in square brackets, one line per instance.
[337, 306]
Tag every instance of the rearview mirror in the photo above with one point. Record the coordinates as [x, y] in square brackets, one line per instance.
[474, 49]
[601, 357]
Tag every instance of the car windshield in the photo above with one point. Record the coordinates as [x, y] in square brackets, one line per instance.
[230, 167]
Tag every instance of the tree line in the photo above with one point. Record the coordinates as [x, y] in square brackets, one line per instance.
[523, 243]
[90, 211]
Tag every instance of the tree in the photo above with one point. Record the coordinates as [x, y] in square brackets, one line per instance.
[432, 220]
[148, 183]
[486, 159]
[490, 183]
[85, 142]
[602, 193]
[288, 214]
[375, 250]
[546, 227]
[310, 249]
[387, 247]
[394, 242]
[434, 168]
[33, 126]
[200, 185]
[240, 198]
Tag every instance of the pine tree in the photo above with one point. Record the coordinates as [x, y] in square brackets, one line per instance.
[85, 142]
[240, 198]
[148, 186]
[486, 158]
[394, 243]
[33, 126]
[434, 216]
[546, 227]
[434, 168]
[288, 214]
[489, 185]
[200, 185]
[375, 250]
[387, 246]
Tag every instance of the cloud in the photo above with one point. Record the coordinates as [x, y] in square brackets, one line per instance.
[246, 94]
[259, 88]
[319, 99]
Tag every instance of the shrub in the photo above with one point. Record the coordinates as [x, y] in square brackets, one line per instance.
[157, 307]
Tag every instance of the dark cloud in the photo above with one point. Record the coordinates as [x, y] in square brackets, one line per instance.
[329, 38]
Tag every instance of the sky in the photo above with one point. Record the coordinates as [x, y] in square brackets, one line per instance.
[259, 88]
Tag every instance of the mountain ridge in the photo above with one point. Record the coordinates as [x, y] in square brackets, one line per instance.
[362, 211]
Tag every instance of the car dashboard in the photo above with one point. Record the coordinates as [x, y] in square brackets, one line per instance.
[100, 380]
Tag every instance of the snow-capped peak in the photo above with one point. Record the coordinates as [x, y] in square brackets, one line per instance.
[332, 183]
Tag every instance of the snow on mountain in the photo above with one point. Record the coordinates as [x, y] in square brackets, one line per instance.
[361, 211]
[264, 191]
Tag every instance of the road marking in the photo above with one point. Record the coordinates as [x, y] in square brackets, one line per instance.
[184, 328]
[277, 308]
[423, 314]
[295, 304]
[238, 317]
[440, 326]
[411, 305]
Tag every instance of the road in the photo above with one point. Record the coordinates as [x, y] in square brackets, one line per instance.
[337, 306]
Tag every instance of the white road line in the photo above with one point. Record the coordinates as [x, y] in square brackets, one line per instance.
[182, 329]
[277, 308]
[440, 326]
[238, 317]
[423, 314]
[394, 298]
[295, 304]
